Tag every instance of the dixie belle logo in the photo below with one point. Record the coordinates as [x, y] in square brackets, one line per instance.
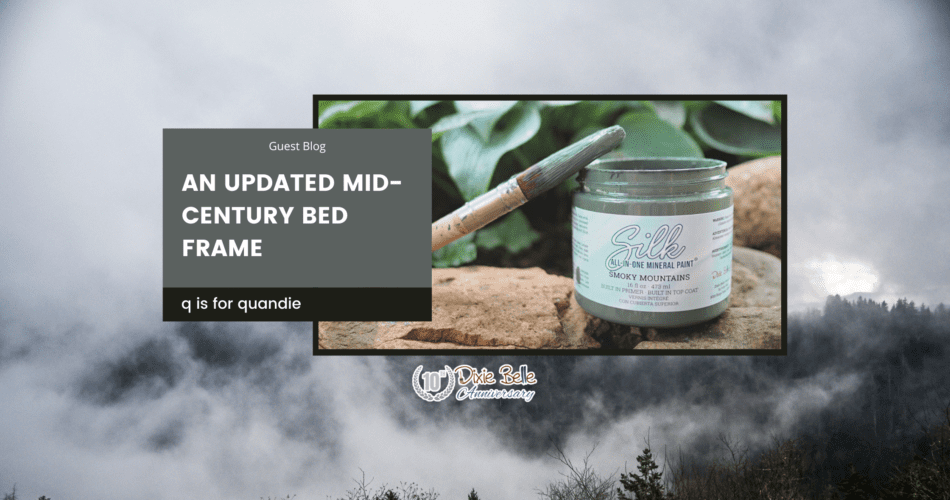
[428, 385]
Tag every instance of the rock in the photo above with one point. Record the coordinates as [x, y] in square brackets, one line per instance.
[346, 335]
[476, 307]
[753, 320]
[737, 328]
[499, 308]
[756, 279]
[757, 189]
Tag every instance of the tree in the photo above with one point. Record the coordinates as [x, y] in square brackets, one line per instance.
[648, 484]
[856, 486]
[582, 483]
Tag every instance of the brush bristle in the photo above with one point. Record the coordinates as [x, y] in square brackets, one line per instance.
[554, 169]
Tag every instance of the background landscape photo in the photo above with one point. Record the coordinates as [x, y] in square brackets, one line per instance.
[101, 399]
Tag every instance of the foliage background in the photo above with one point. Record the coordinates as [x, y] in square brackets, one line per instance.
[479, 144]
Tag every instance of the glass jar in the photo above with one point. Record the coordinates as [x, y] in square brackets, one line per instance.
[652, 241]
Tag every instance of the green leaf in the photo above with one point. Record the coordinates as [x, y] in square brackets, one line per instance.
[568, 120]
[472, 160]
[584, 132]
[759, 110]
[735, 133]
[461, 119]
[558, 103]
[484, 123]
[470, 106]
[460, 251]
[672, 112]
[641, 106]
[324, 105]
[348, 111]
[395, 115]
[513, 232]
[777, 110]
[416, 107]
[649, 136]
[543, 144]
[694, 107]
[444, 182]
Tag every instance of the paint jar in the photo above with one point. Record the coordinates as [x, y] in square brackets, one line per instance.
[653, 241]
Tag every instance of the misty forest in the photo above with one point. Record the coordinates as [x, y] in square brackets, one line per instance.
[884, 434]
[859, 408]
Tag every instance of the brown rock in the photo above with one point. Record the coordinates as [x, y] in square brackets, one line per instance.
[495, 308]
[752, 321]
[757, 189]
[346, 335]
[756, 279]
[476, 307]
[737, 328]
[580, 325]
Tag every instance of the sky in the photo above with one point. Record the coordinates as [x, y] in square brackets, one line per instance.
[104, 400]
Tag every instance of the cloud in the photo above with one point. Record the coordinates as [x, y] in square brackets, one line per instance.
[98, 390]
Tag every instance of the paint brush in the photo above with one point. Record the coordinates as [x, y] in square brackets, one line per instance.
[525, 186]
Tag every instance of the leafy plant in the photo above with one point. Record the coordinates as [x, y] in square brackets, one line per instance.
[649, 135]
[479, 144]
[460, 251]
[512, 232]
[742, 128]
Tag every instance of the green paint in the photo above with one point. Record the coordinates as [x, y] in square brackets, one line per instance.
[653, 241]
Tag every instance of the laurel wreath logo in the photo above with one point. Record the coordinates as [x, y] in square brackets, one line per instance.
[429, 397]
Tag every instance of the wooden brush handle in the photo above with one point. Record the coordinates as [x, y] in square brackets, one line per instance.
[477, 213]
[516, 191]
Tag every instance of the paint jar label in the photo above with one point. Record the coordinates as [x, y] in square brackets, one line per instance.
[666, 263]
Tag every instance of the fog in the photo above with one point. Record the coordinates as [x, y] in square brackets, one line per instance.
[103, 400]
